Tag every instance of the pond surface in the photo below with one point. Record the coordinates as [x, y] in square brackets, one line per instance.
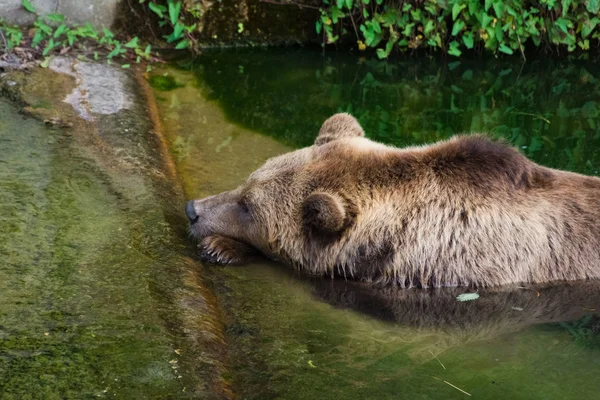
[293, 337]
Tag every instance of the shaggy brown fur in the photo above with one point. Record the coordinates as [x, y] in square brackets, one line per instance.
[466, 211]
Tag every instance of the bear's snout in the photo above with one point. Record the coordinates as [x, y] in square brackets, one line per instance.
[191, 213]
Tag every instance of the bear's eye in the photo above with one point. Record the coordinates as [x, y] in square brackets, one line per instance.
[243, 204]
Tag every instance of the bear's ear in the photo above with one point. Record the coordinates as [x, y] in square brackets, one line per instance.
[324, 212]
[339, 126]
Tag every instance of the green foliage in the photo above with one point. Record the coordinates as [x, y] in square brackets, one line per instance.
[12, 34]
[51, 34]
[453, 26]
[28, 6]
[171, 14]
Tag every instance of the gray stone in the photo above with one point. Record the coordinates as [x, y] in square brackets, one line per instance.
[101, 13]
[100, 90]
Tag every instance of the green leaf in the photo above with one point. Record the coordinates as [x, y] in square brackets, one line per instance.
[381, 53]
[454, 49]
[125, 66]
[456, 9]
[107, 33]
[60, 30]
[37, 38]
[349, 4]
[340, 3]
[71, 37]
[592, 6]
[49, 46]
[46, 62]
[174, 9]
[55, 17]
[588, 27]
[486, 19]
[563, 24]
[157, 9]
[240, 27]
[565, 6]
[468, 40]
[28, 6]
[458, 25]
[429, 26]
[177, 33]
[498, 6]
[467, 297]
[116, 51]
[318, 26]
[505, 49]
[184, 44]
[336, 14]
[132, 44]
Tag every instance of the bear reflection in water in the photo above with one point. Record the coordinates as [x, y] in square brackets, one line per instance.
[495, 312]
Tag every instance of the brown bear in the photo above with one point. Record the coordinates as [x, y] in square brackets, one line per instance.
[468, 211]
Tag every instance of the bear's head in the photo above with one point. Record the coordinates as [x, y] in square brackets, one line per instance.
[298, 207]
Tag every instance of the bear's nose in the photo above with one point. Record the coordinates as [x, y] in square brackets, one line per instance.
[190, 211]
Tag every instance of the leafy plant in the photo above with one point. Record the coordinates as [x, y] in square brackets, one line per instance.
[50, 34]
[171, 14]
[455, 26]
[11, 34]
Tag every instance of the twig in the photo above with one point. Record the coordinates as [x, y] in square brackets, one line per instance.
[437, 359]
[457, 388]
[546, 120]
[4, 40]
[354, 25]
[454, 386]
[521, 48]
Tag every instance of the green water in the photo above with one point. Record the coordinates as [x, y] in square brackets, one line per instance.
[290, 337]
[90, 271]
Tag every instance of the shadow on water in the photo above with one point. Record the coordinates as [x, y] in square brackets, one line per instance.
[296, 337]
[495, 312]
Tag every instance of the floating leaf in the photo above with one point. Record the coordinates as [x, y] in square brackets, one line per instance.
[467, 296]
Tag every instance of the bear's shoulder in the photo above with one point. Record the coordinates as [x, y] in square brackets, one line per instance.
[489, 161]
